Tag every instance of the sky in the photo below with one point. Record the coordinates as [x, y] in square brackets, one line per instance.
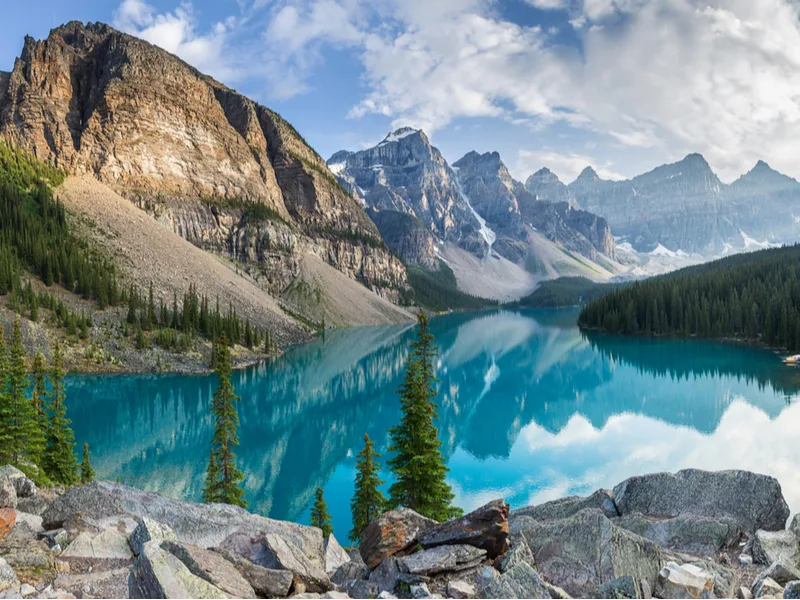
[620, 85]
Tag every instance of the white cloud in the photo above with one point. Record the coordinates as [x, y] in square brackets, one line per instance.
[177, 32]
[566, 166]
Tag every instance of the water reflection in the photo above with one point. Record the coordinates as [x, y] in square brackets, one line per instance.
[529, 408]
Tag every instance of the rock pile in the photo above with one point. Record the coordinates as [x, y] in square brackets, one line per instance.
[693, 534]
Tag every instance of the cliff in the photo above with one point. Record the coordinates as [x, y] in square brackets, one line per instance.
[227, 174]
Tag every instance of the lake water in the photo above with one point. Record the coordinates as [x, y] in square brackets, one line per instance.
[530, 410]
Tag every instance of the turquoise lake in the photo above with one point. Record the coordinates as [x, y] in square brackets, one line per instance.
[531, 409]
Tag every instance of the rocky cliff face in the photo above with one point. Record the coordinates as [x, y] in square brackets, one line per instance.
[684, 206]
[223, 171]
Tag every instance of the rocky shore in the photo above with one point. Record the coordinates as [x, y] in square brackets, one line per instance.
[692, 534]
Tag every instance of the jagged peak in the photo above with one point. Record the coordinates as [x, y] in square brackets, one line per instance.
[545, 175]
[472, 157]
[762, 173]
[695, 158]
[402, 133]
[588, 174]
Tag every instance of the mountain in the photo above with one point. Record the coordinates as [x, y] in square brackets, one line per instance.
[683, 207]
[497, 238]
[223, 172]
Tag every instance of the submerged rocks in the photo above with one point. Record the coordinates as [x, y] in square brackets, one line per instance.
[392, 532]
[485, 528]
[754, 501]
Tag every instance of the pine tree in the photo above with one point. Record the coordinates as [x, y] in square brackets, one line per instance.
[418, 465]
[223, 479]
[59, 457]
[87, 472]
[320, 516]
[38, 399]
[368, 501]
[25, 438]
[6, 409]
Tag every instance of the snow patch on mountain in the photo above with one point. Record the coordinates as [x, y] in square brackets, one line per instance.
[486, 232]
[751, 243]
[398, 135]
[337, 168]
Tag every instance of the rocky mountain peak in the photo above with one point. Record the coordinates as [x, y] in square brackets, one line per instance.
[587, 175]
[763, 177]
[404, 133]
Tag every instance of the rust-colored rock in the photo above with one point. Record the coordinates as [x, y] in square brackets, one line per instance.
[485, 528]
[8, 516]
[391, 533]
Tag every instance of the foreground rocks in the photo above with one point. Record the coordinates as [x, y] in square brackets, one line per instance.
[665, 539]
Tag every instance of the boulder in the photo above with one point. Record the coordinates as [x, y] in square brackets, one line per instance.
[521, 581]
[202, 525]
[781, 572]
[350, 571]
[104, 551]
[31, 559]
[566, 507]
[753, 501]
[392, 532]
[365, 589]
[8, 579]
[685, 533]
[485, 528]
[622, 587]
[55, 537]
[148, 529]
[274, 551]
[100, 584]
[386, 575]
[335, 556]
[267, 583]
[774, 546]
[37, 504]
[8, 516]
[767, 588]
[518, 552]
[8, 495]
[24, 487]
[683, 581]
[158, 574]
[27, 525]
[212, 567]
[587, 550]
[460, 589]
[744, 593]
[444, 558]
[792, 590]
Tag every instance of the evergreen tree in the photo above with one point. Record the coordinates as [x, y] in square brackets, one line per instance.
[26, 442]
[6, 408]
[418, 465]
[39, 397]
[368, 501]
[223, 479]
[87, 472]
[59, 457]
[320, 516]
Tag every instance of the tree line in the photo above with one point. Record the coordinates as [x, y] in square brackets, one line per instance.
[417, 464]
[35, 433]
[754, 297]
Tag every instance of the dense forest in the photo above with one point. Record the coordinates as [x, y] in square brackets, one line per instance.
[753, 296]
[565, 291]
[439, 291]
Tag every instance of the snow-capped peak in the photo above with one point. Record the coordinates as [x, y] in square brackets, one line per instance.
[398, 135]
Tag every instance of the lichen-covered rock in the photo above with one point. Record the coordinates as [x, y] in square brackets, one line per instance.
[267, 583]
[24, 487]
[519, 551]
[683, 581]
[586, 550]
[158, 574]
[8, 517]
[8, 495]
[443, 558]
[386, 575]
[774, 546]
[275, 551]
[97, 584]
[8, 579]
[147, 530]
[212, 567]
[622, 587]
[566, 507]
[106, 550]
[485, 528]
[392, 532]
[351, 571]
[521, 581]
[698, 534]
[32, 560]
[754, 501]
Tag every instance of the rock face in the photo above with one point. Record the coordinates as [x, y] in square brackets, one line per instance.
[485, 528]
[223, 171]
[392, 532]
[753, 501]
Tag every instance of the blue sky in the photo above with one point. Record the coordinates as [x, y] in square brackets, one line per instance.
[622, 85]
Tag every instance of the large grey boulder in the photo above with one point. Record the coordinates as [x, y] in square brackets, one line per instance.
[105, 550]
[148, 529]
[754, 501]
[201, 525]
[387, 574]
[212, 567]
[351, 571]
[768, 547]
[563, 508]
[99, 584]
[518, 552]
[335, 556]
[158, 574]
[586, 550]
[267, 583]
[8, 495]
[24, 487]
[275, 551]
[521, 581]
[685, 533]
[443, 558]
